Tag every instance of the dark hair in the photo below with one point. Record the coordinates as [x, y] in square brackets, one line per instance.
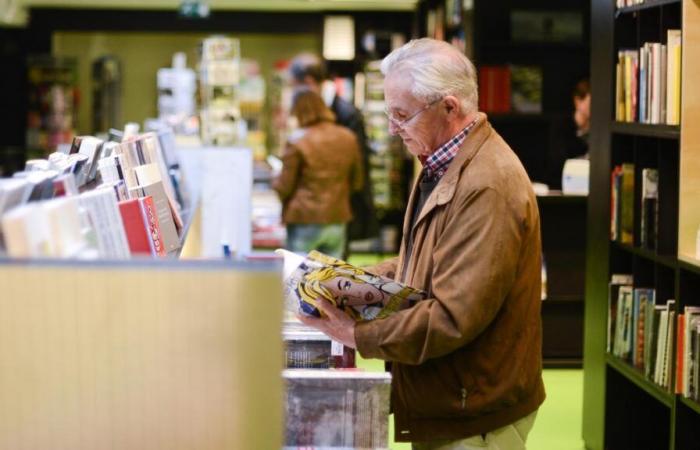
[307, 64]
[582, 88]
[309, 109]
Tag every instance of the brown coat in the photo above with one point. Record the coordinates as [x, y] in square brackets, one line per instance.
[467, 360]
[321, 167]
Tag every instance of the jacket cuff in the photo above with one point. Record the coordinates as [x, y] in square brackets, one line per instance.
[366, 339]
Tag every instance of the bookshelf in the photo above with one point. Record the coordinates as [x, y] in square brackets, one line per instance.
[624, 408]
[490, 38]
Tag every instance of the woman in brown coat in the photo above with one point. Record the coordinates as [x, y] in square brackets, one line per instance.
[322, 165]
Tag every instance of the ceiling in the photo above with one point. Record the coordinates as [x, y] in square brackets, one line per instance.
[277, 5]
[14, 12]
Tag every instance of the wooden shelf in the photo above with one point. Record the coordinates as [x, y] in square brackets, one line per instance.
[690, 403]
[644, 129]
[648, 4]
[534, 45]
[640, 380]
[560, 299]
[690, 266]
[501, 118]
[668, 261]
[556, 197]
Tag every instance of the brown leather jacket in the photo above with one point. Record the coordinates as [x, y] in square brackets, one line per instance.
[468, 359]
[321, 167]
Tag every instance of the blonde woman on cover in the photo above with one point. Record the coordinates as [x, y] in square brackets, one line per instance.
[362, 295]
[321, 167]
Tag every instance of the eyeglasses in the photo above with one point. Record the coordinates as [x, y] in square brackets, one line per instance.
[400, 122]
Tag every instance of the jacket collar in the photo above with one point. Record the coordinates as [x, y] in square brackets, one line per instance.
[446, 187]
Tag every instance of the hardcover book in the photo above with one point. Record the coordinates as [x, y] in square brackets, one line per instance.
[361, 294]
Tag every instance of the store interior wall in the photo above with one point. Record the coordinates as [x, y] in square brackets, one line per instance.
[142, 53]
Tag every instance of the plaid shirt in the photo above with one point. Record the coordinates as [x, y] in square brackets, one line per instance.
[437, 163]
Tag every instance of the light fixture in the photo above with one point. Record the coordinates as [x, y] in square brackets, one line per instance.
[338, 38]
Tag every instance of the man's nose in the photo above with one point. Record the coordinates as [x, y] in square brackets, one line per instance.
[393, 128]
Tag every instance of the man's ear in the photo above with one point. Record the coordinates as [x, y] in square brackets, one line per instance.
[451, 104]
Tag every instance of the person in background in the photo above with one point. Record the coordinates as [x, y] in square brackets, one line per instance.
[569, 135]
[466, 362]
[321, 167]
[309, 71]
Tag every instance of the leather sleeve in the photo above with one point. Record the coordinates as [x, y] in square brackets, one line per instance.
[286, 182]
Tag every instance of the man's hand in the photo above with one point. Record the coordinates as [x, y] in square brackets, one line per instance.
[337, 324]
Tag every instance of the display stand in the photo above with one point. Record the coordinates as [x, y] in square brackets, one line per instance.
[155, 354]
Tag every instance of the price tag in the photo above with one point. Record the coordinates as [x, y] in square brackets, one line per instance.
[336, 348]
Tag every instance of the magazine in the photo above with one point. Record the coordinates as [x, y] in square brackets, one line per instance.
[361, 294]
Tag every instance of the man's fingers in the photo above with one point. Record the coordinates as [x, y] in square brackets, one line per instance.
[327, 307]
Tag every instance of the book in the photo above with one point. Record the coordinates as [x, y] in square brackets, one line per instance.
[141, 226]
[169, 235]
[673, 77]
[361, 294]
[626, 199]
[308, 348]
[526, 89]
[617, 280]
[103, 211]
[650, 208]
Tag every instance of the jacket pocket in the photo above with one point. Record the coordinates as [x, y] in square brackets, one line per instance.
[434, 389]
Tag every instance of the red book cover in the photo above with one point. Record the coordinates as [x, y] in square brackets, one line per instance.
[151, 215]
[486, 88]
[504, 90]
[135, 225]
[680, 353]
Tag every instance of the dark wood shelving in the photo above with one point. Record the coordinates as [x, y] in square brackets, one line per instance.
[668, 261]
[645, 129]
[648, 4]
[688, 266]
[640, 380]
[534, 45]
[690, 403]
[556, 197]
[563, 298]
[514, 117]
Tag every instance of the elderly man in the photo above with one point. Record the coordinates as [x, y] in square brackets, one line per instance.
[466, 362]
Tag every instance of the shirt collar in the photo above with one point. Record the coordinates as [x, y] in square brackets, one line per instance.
[435, 165]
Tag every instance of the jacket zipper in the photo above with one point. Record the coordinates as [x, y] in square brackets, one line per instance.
[464, 398]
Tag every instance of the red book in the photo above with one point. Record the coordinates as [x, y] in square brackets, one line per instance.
[680, 353]
[141, 226]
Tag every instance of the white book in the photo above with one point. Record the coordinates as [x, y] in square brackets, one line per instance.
[103, 211]
[13, 192]
[661, 347]
[692, 320]
[25, 232]
[62, 218]
[656, 83]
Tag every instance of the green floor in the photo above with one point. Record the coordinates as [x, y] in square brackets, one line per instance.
[558, 425]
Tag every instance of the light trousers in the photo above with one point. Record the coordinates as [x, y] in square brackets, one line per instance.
[509, 437]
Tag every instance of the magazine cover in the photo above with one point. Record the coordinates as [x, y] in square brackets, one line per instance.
[363, 295]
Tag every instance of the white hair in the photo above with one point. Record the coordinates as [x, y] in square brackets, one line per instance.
[437, 69]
